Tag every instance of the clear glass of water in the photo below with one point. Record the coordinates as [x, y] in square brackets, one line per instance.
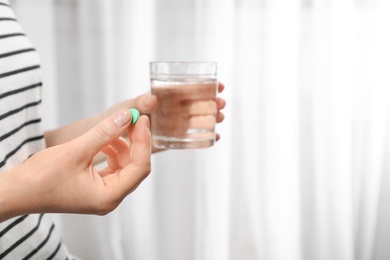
[186, 111]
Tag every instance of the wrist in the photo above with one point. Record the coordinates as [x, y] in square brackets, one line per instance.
[22, 191]
[14, 199]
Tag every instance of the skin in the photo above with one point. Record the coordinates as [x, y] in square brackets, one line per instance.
[62, 178]
[190, 106]
[145, 103]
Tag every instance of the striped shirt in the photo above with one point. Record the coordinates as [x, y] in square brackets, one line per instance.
[31, 236]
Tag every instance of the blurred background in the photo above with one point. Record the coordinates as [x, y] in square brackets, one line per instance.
[302, 170]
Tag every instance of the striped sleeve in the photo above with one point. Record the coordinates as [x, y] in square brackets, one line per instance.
[20, 93]
[29, 236]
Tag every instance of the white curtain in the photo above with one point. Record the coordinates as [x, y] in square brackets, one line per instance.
[302, 169]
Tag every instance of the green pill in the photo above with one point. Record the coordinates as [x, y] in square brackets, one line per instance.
[134, 115]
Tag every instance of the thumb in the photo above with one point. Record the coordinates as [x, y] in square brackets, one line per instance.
[105, 132]
[146, 103]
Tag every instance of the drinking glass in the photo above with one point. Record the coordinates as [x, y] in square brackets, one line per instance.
[186, 110]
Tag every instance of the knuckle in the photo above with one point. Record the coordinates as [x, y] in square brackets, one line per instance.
[103, 133]
[144, 168]
[148, 169]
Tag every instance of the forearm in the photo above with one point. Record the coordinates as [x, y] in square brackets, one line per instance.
[144, 103]
[75, 129]
[71, 131]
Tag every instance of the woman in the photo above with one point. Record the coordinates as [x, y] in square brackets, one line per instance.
[53, 171]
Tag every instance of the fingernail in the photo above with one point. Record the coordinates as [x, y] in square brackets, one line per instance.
[121, 118]
[134, 115]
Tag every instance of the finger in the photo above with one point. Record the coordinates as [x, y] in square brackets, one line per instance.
[130, 178]
[201, 107]
[145, 103]
[118, 153]
[180, 124]
[220, 117]
[122, 149]
[221, 87]
[112, 161]
[120, 145]
[140, 153]
[140, 142]
[105, 171]
[104, 133]
[109, 151]
[217, 137]
[201, 91]
[221, 103]
[139, 132]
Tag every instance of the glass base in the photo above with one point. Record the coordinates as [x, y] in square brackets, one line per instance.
[178, 143]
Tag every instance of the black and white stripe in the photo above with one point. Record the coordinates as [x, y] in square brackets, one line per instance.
[46, 244]
[20, 93]
[13, 223]
[22, 239]
[29, 236]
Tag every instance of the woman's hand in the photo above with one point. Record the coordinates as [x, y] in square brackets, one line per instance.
[146, 103]
[63, 179]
